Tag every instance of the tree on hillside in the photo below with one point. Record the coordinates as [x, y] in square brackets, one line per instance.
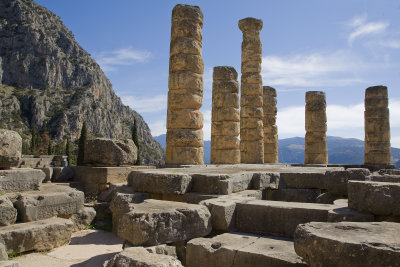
[81, 145]
[135, 139]
[34, 140]
[68, 151]
[49, 148]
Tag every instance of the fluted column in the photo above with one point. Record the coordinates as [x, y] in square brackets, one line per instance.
[185, 96]
[225, 126]
[251, 103]
[377, 126]
[316, 151]
[269, 123]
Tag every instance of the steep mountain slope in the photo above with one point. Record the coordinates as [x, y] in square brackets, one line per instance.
[291, 150]
[50, 82]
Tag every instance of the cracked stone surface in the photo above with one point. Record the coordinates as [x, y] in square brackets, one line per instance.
[155, 222]
[241, 250]
[349, 243]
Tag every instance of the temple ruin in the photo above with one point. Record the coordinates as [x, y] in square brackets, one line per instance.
[316, 151]
[270, 128]
[377, 127]
[225, 125]
[185, 96]
[251, 102]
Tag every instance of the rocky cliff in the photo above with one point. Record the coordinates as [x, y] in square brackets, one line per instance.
[49, 81]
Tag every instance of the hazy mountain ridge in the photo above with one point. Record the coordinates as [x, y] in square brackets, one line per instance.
[49, 81]
[291, 150]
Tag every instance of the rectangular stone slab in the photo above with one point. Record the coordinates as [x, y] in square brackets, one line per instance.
[378, 198]
[17, 180]
[51, 200]
[241, 250]
[8, 214]
[155, 222]
[278, 218]
[221, 184]
[101, 175]
[293, 194]
[349, 243]
[155, 181]
[36, 236]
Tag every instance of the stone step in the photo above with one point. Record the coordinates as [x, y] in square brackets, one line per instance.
[293, 195]
[36, 236]
[8, 214]
[17, 180]
[349, 243]
[241, 250]
[140, 256]
[378, 198]
[155, 222]
[278, 218]
[49, 201]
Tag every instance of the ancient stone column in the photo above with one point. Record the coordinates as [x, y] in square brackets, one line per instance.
[269, 122]
[251, 102]
[225, 125]
[377, 127]
[185, 96]
[316, 151]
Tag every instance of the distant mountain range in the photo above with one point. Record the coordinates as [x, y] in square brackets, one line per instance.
[291, 150]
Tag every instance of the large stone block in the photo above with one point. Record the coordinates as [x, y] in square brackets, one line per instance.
[229, 128]
[51, 200]
[8, 214]
[378, 198]
[277, 218]
[185, 155]
[185, 45]
[36, 236]
[184, 119]
[244, 250]
[141, 257]
[10, 148]
[349, 243]
[185, 137]
[293, 195]
[18, 180]
[156, 222]
[225, 156]
[221, 184]
[186, 62]
[110, 152]
[185, 99]
[162, 182]
[101, 175]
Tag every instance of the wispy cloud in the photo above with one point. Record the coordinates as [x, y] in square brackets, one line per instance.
[312, 69]
[151, 104]
[158, 127]
[361, 27]
[109, 60]
[207, 124]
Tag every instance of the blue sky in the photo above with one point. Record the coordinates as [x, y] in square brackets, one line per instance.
[340, 47]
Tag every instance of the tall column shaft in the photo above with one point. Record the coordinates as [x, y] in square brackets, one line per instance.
[316, 151]
[185, 96]
[251, 102]
[377, 126]
[269, 123]
[225, 125]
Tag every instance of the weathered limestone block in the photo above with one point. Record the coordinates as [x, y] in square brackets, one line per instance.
[3, 252]
[142, 257]
[110, 152]
[316, 151]
[159, 182]
[10, 148]
[293, 195]
[120, 205]
[17, 180]
[51, 200]
[378, 198]
[265, 180]
[221, 184]
[244, 250]
[222, 210]
[269, 124]
[377, 126]
[36, 236]
[348, 243]
[7, 263]
[345, 214]
[82, 219]
[185, 85]
[156, 222]
[48, 171]
[231, 128]
[8, 214]
[252, 145]
[389, 178]
[278, 218]
[225, 145]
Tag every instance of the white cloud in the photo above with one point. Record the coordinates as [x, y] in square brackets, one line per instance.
[361, 27]
[207, 124]
[290, 122]
[152, 104]
[390, 43]
[158, 127]
[314, 69]
[121, 57]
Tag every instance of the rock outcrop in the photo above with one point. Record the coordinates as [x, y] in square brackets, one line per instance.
[49, 81]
